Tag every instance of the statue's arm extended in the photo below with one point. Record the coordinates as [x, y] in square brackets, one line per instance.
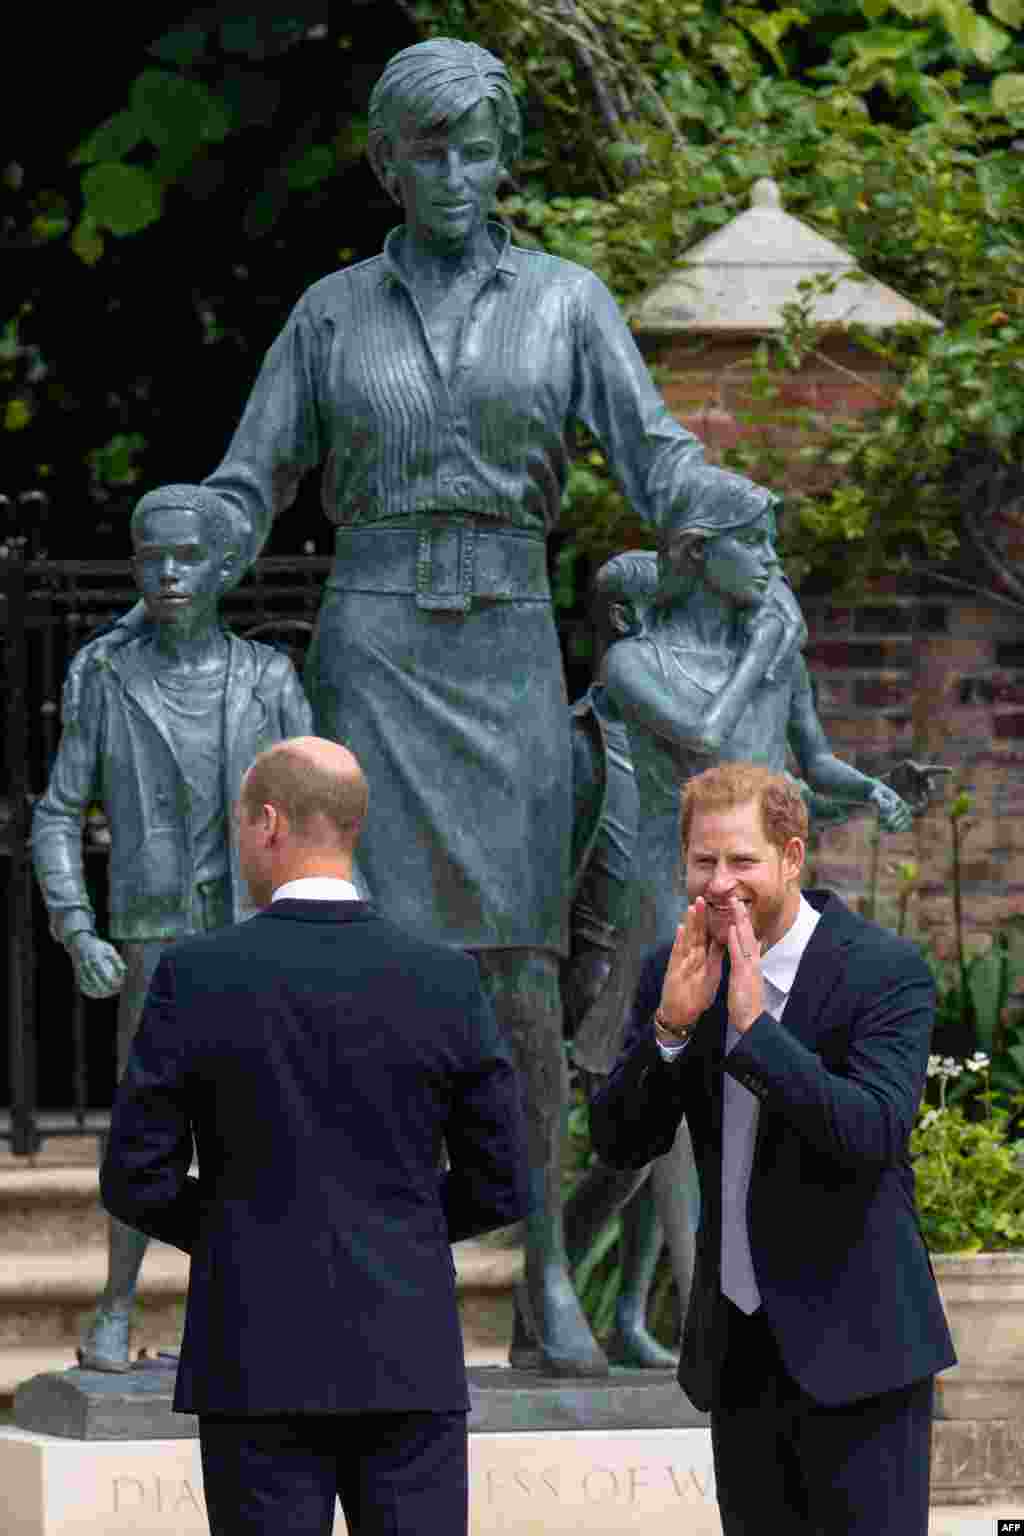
[659, 464]
[829, 774]
[279, 436]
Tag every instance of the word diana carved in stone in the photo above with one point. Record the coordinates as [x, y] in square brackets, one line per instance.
[155, 1495]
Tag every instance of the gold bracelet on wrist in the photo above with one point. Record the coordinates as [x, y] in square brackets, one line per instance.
[680, 1036]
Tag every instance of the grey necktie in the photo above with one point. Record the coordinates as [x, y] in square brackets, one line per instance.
[739, 1134]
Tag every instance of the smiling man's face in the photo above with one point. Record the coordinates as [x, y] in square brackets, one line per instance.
[729, 855]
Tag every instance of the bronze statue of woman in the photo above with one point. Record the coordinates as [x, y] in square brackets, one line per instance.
[434, 387]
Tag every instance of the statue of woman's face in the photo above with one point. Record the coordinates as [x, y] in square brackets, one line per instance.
[447, 180]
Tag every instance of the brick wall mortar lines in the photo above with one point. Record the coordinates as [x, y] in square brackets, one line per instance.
[929, 722]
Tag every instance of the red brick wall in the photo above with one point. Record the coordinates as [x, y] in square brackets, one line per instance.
[706, 382]
[938, 678]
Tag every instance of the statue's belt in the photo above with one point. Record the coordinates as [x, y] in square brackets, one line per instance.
[444, 563]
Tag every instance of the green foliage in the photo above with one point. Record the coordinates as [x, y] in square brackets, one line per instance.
[969, 1172]
[175, 115]
[897, 147]
[115, 465]
[890, 126]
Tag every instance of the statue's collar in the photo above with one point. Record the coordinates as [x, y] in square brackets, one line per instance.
[499, 234]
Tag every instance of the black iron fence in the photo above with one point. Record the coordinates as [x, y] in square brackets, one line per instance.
[48, 608]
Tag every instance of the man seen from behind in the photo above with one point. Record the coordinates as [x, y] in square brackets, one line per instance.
[318, 1057]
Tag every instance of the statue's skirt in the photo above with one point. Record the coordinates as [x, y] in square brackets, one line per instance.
[459, 717]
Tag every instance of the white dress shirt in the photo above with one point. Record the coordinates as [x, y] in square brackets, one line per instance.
[316, 888]
[740, 1109]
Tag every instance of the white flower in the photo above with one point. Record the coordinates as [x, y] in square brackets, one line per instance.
[948, 1064]
[954, 1071]
[928, 1118]
[977, 1063]
[934, 1066]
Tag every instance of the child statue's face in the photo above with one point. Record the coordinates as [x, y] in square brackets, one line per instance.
[740, 565]
[180, 573]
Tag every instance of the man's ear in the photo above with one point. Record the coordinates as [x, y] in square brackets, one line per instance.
[272, 822]
[793, 858]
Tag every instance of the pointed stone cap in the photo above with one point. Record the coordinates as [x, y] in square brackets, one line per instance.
[739, 278]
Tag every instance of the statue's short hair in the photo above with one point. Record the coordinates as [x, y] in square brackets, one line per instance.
[430, 85]
[218, 522]
[727, 785]
[307, 792]
[631, 577]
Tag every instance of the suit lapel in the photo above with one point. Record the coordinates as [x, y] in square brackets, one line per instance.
[819, 972]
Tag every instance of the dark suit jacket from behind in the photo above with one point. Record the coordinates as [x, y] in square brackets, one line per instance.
[318, 1055]
[843, 1272]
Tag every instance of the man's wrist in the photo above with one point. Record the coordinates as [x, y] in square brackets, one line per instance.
[667, 1033]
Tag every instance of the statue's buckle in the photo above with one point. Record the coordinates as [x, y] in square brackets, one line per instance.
[445, 568]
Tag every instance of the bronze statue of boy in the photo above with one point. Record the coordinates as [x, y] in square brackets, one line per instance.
[160, 732]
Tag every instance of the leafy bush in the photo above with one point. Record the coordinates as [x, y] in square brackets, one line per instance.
[969, 1172]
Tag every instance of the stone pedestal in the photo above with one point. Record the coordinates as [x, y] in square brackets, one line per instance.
[659, 1482]
[104, 1455]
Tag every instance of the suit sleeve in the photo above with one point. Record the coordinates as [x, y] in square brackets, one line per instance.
[144, 1180]
[485, 1185]
[635, 1113]
[859, 1110]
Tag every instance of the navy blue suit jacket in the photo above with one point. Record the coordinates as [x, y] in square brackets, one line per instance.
[844, 1275]
[318, 1055]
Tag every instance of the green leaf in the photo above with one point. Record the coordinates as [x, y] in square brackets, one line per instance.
[987, 41]
[873, 9]
[121, 198]
[87, 241]
[172, 109]
[1009, 11]
[768, 28]
[17, 414]
[181, 46]
[259, 38]
[623, 150]
[112, 140]
[312, 167]
[1008, 93]
[886, 44]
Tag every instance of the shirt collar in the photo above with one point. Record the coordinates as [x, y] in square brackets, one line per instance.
[499, 234]
[316, 888]
[780, 963]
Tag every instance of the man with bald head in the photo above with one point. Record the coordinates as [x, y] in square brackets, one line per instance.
[317, 1057]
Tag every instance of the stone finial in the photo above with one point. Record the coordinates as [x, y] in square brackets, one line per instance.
[765, 193]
